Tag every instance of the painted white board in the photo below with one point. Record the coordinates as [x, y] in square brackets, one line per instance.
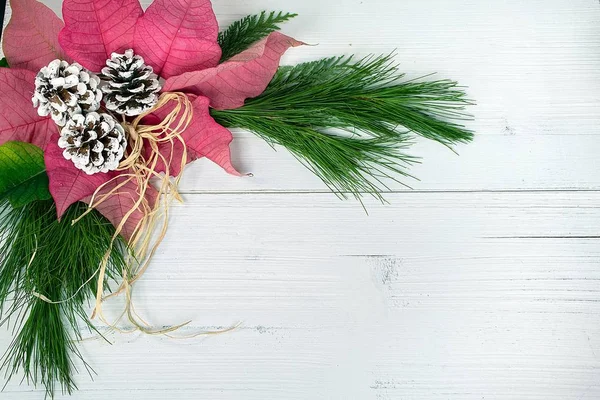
[483, 282]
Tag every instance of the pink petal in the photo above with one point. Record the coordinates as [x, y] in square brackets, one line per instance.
[18, 119]
[31, 38]
[204, 137]
[245, 76]
[94, 29]
[67, 183]
[177, 36]
[115, 207]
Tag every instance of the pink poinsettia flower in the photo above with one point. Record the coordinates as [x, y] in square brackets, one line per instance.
[177, 38]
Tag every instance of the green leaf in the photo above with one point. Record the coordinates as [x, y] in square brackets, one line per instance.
[243, 33]
[23, 176]
[3, 63]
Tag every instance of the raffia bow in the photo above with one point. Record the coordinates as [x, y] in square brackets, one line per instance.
[139, 166]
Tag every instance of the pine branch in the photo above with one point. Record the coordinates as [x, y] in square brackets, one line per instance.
[243, 33]
[374, 114]
[54, 259]
[347, 165]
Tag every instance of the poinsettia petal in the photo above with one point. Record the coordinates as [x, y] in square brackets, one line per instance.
[18, 118]
[177, 36]
[121, 201]
[67, 183]
[245, 76]
[94, 29]
[204, 137]
[31, 38]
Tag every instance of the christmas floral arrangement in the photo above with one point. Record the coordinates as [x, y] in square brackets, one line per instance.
[100, 114]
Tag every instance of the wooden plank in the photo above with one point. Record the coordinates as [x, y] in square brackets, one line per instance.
[537, 117]
[455, 295]
[528, 115]
[491, 162]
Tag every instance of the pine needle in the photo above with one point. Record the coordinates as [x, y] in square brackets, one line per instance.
[243, 33]
[42, 257]
[350, 121]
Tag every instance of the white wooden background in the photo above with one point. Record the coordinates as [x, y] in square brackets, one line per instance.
[482, 283]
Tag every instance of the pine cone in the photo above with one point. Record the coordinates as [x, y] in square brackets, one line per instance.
[94, 142]
[63, 89]
[132, 86]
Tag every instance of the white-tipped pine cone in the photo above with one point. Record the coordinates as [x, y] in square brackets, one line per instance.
[63, 89]
[94, 142]
[131, 87]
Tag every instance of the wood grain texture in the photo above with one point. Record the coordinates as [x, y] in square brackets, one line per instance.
[482, 283]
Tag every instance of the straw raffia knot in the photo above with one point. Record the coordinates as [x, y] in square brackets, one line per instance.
[142, 157]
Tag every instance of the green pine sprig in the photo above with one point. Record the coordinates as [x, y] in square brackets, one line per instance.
[243, 33]
[41, 255]
[350, 121]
